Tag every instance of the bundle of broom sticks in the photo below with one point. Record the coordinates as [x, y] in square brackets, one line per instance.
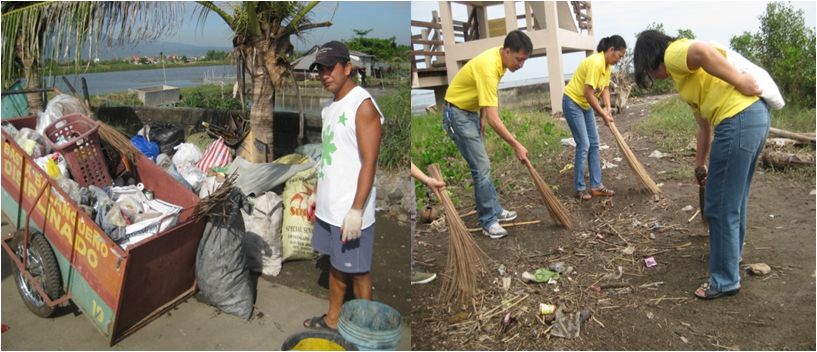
[557, 211]
[464, 262]
[643, 177]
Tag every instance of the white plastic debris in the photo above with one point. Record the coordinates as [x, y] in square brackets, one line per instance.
[569, 142]
[657, 154]
[687, 208]
[608, 165]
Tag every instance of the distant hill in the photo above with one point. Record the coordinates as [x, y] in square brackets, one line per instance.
[153, 49]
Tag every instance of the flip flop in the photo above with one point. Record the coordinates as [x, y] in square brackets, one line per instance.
[318, 323]
[583, 195]
[711, 293]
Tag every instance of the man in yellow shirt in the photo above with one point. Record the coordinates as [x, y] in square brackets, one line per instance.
[471, 99]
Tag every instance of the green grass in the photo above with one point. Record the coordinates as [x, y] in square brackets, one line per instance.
[535, 130]
[671, 124]
[396, 140]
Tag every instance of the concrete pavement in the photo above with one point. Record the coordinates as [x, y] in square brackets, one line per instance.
[190, 326]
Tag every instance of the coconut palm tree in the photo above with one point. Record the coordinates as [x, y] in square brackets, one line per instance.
[262, 48]
[34, 29]
[261, 41]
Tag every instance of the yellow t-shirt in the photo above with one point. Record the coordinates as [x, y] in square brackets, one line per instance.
[593, 71]
[706, 94]
[476, 84]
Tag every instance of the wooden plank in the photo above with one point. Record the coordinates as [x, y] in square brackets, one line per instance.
[428, 42]
[429, 53]
[425, 24]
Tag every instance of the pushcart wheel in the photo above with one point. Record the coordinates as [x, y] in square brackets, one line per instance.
[42, 264]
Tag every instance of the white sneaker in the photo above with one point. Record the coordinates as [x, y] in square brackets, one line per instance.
[495, 231]
[506, 216]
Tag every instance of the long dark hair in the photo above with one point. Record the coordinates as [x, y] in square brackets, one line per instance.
[648, 54]
[616, 41]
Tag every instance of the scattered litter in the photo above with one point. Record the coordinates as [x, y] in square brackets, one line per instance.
[567, 167]
[506, 322]
[501, 270]
[541, 275]
[599, 236]
[652, 284]
[608, 165]
[650, 262]
[546, 308]
[662, 172]
[656, 197]
[5, 327]
[687, 208]
[604, 146]
[506, 282]
[652, 236]
[760, 269]
[569, 142]
[552, 281]
[659, 185]
[656, 154]
[629, 250]
[813, 192]
[771, 216]
[625, 290]
[656, 224]
[559, 267]
[619, 177]
[594, 287]
[569, 325]
[617, 159]
[649, 315]
[614, 276]
[684, 339]
[636, 223]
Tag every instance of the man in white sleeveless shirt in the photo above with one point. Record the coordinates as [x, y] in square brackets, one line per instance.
[344, 203]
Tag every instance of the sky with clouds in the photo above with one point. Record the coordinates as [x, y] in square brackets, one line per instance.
[344, 15]
[709, 20]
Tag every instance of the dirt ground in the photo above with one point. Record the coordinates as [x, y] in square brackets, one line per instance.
[772, 312]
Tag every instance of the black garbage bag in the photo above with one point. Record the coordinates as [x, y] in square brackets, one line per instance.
[221, 269]
[166, 135]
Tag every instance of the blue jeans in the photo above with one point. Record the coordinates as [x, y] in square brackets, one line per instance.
[737, 145]
[583, 126]
[463, 128]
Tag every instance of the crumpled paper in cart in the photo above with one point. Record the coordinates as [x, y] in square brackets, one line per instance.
[141, 230]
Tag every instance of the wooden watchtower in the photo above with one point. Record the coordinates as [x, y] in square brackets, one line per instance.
[445, 45]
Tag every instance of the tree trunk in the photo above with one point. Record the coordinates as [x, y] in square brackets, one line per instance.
[35, 100]
[261, 113]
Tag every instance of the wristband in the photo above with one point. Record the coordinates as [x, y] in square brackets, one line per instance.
[427, 178]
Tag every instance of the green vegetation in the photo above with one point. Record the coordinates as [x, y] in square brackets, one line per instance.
[69, 68]
[396, 139]
[537, 131]
[785, 47]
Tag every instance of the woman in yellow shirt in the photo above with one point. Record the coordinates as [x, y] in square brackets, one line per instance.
[589, 82]
[726, 100]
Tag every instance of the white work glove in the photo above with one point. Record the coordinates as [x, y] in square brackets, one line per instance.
[310, 213]
[351, 225]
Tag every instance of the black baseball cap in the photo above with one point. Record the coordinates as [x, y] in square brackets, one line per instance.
[330, 53]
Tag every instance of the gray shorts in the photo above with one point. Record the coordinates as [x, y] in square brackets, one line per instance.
[354, 257]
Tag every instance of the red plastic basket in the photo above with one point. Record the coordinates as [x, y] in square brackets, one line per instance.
[81, 149]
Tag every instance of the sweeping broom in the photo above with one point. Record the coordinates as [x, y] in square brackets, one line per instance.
[464, 261]
[107, 134]
[635, 165]
[557, 212]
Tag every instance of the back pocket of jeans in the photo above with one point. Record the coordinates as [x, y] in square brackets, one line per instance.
[752, 131]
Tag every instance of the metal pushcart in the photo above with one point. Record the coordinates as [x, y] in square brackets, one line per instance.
[59, 253]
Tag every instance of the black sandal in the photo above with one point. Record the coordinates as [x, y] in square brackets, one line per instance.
[711, 293]
[583, 195]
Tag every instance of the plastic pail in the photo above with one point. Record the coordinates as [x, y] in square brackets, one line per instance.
[370, 325]
[317, 341]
